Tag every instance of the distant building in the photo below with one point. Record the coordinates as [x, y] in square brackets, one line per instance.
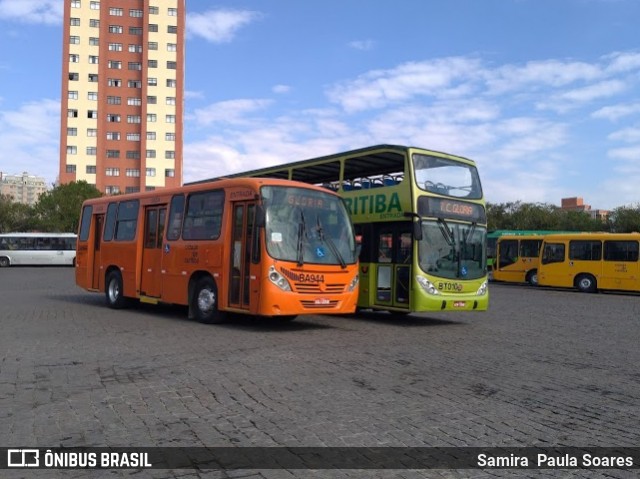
[577, 204]
[24, 188]
[122, 94]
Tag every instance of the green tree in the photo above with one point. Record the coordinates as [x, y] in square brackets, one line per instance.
[625, 219]
[15, 216]
[59, 208]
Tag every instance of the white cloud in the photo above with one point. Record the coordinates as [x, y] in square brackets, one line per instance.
[32, 11]
[615, 112]
[219, 26]
[281, 89]
[364, 45]
[627, 135]
[232, 111]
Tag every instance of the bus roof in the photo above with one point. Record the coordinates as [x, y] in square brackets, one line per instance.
[372, 160]
[39, 235]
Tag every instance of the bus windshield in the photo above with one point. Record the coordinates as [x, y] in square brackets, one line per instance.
[453, 250]
[307, 226]
[446, 177]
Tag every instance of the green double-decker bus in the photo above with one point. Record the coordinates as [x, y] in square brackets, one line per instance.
[421, 221]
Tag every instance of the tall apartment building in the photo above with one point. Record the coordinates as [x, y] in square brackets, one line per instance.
[24, 188]
[122, 94]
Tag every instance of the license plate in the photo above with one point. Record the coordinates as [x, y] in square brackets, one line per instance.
[459, 304]
[321, 301]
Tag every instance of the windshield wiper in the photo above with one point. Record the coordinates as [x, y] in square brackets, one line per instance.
[301, 228]
[330, 242]
[447, 234]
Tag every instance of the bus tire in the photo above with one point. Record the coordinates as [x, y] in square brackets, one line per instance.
[532, 277]
[114, 290]
[4, 262]
[586, 283]
[204, 302]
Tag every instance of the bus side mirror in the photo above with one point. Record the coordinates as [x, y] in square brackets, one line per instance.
[417, 225]
[260, 216]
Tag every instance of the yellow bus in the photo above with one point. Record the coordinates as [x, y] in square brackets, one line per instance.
[517, 259]
[247, 245]
[421, 218]
[591, 261]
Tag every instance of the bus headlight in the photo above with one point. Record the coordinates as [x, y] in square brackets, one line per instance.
[279, 280]
[354, 283]
[427, 285]
[482, 290]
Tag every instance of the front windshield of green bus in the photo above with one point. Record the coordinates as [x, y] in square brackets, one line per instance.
[446, 177]
[452, 250]
[307, 226]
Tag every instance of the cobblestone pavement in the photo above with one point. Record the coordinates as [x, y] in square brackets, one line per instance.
[541, 368]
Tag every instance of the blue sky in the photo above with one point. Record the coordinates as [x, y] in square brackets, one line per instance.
[543, 94]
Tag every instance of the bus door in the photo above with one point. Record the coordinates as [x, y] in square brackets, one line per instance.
[97, 241]
[508, 266]
[393, 264]
[151, 276]
[620, 266]
[244, 273]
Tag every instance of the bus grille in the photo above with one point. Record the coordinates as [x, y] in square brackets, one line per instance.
[307, 288]
[313, 305]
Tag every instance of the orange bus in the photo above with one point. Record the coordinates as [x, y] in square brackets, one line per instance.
[257, 246]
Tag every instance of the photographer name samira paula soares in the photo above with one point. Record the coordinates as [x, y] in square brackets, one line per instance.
[544, 460]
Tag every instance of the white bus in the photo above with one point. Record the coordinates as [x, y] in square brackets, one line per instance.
[37, 249]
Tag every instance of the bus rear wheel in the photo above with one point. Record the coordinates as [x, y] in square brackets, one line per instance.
[4, 262]
[586, 283]
[532, 277]
[204, 302]
[114, 291]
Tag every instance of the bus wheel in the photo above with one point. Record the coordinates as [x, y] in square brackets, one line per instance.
[114, 291]
[4, 262]
[532, 277]
[204, 302]
[586, 283]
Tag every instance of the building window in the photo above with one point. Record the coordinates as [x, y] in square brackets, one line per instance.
[135, 66]
[115, 29]
[135, 48]
[94, 41]
[169, 155]
[150, 153]
[169, 172]
[133, 155]
[171, 100]
[94, 5]
[74, 22]
[113, 135]
[135, 30]
[132, 101]
[113, 154]
[112, 190]
[152, 117]
[115, 47]
[74, 58]
[170, 136]
[172, 65]
[112, 171]
[115, 65]
[112, 118]
[154, 10]
[72, 113]
[92, 132]
[134, 119]
[91, 169]
[114, 100]
[171, 83]
[72, 95]
[152, 63]
[75, 3]
[93, 114]
[153, 27]
[116, 12]
[170, 118]
[151, 135]
[74, 77]
[172, 29]
[93, 59]
[92, 151]
[114, 82]
[136, 13]
[134, 84]
[93, 77]
[94, 22]
[172, 12]
[74, 40]
[135, 172]
[151, 172]
[72, 150]
[152, 81]
[133, 136]
[152, 45]
[172, 47]
[72, 131]
[92, 95]
[152, 100]
[71, 168]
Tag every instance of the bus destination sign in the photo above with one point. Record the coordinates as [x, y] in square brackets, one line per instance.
[444, 208]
